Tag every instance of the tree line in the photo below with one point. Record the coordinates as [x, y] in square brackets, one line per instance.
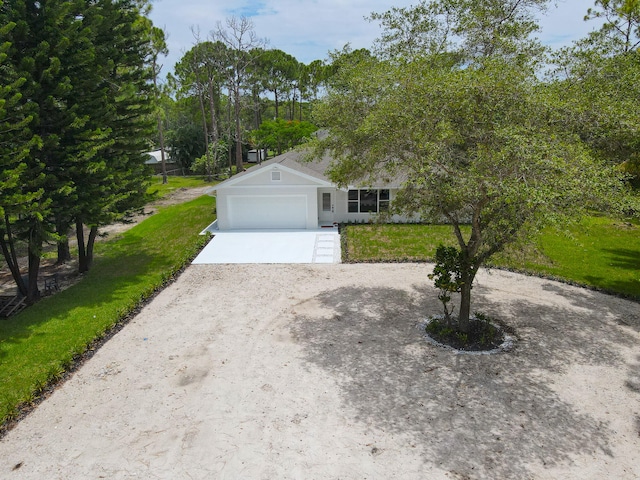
[230, 92]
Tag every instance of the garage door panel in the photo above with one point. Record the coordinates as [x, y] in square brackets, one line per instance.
[268, 211]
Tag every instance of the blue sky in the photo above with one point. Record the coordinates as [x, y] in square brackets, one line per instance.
[309, 29]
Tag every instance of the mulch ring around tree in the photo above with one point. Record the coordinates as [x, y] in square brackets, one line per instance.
[485, 336]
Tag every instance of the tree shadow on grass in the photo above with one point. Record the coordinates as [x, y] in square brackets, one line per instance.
[90, 293]
[477, 416]
[624, 258]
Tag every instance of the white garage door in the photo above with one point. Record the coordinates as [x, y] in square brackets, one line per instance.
[267, 211]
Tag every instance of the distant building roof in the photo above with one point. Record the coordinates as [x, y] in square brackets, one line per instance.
[155, 157]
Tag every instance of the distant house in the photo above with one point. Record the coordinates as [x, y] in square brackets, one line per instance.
[154, 160]
[256, 156]
[288, 193]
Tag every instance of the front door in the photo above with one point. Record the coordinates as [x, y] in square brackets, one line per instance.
[326, 207]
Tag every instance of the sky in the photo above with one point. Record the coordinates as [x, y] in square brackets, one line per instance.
[309, 29]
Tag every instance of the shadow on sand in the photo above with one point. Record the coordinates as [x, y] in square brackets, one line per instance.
[474, 416]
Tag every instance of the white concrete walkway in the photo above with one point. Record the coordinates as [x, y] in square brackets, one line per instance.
[272, 246]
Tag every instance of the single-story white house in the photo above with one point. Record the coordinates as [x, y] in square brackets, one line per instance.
[288, 193]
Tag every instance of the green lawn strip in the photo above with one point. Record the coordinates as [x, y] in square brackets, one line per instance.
[175, 183]
[395, 242]
[599, 252]
[37, 345]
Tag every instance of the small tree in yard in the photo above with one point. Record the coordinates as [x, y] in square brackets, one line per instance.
[446, 276]
[470, 127]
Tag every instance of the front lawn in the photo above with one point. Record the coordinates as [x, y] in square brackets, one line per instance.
[599, 252]
[37, 345]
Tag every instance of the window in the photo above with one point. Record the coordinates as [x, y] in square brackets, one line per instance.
[353, 201]
[384, 199]
[368, 201]
[326, 202]
[275, 176]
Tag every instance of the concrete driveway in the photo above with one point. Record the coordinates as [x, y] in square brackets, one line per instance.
[272, 246]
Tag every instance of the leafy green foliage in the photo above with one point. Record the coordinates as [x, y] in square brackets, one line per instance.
[282, 135]
[80, 88]
[447, 276]
[212, 161]
[620, 31]
[596, 87]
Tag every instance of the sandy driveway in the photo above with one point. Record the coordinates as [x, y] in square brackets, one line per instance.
[318, 372]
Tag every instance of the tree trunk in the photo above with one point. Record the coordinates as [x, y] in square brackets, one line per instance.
[85, 251]
[239, 166]
[257, 120]
[214, 127]
[34, 267]
[93, 233]
[465, 307]
[293, 105]
[162, 158]
[229, 136]
[9, 252]
[160, 126]
[206, 132]
[467, 275]
[82, 252]
[64, 252]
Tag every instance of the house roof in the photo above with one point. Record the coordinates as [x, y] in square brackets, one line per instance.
[156, 157]
[295, 160]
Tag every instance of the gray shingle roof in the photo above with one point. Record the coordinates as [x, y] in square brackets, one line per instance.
[295, 160]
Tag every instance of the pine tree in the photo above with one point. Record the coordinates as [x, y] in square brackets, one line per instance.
[16, 142]
[115, 181]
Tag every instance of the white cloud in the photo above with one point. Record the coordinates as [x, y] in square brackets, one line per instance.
[309, 29]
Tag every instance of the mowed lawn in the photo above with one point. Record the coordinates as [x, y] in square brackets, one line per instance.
[598, 252]
[40, 343]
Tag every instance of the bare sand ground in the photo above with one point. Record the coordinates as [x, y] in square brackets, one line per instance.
[319, 372]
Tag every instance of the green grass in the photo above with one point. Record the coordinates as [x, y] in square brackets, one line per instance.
[598, 252]
[395, 242]
[37, 345]
[175, 183]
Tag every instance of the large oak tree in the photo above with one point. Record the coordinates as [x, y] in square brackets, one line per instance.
[458, 111]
